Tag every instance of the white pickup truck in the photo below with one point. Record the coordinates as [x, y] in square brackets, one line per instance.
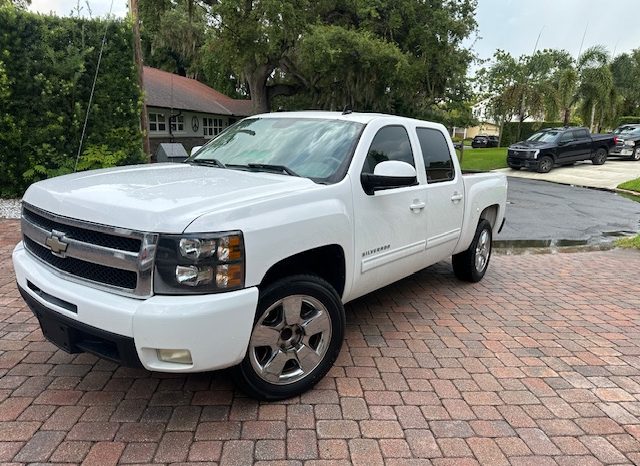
[245, 255]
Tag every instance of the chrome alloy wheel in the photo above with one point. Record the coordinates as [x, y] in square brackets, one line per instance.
[636, 154]
[483, 250]
[290, 339]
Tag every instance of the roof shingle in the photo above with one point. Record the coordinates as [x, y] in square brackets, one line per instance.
[164, 89]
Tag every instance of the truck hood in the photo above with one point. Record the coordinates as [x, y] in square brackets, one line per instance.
[162, 198]
[531, 145]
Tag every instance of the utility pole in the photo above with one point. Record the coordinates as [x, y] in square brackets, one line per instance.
[137, 56]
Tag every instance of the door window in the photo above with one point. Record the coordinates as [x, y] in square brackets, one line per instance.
[436, 155]
[567, 137]
[391, 143]
[581, 134]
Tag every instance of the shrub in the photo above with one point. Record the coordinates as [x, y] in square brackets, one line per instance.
[510, 130]
[628, 120]
[47, 65]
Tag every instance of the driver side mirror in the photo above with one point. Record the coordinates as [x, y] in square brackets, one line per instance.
[389, 174]
[195, 149]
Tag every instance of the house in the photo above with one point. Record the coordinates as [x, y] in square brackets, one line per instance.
[187, 111]
[486, 124]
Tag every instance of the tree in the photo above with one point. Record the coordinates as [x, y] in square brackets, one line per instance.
[596, 88]
[626, 79]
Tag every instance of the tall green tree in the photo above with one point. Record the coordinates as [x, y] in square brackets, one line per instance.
[596, 90]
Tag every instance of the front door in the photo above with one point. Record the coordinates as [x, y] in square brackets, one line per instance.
[445, 195]
[390, 225]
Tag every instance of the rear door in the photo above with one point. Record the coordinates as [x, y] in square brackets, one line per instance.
[445, 194]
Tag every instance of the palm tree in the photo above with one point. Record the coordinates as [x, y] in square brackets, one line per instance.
[596, 84]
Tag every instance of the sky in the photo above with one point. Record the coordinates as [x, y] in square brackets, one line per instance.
[511, 25]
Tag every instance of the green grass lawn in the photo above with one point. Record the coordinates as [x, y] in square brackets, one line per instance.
[484, 159]
[633, 185]
[631, 242]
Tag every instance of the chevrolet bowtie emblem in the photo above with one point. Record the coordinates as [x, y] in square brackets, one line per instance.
[55, 242]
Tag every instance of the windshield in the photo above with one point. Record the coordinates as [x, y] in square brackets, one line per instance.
[319, 149]
[544, 136]
[628, 131]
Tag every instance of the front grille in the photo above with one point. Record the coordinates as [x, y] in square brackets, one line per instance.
[93, 272]
[81, 234]
[116, 259]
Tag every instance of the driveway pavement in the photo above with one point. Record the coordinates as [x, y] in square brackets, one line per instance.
[538, 364]
[607, 176]
[537, 210]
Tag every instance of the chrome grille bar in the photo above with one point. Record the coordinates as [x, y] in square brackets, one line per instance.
[50, 234]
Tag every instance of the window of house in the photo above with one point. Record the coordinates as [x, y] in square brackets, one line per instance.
[177, 124]
[436, 155]
[391, 143]
[212, 126]
[157, 122]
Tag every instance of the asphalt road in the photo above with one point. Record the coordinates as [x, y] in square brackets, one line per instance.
[539, 210]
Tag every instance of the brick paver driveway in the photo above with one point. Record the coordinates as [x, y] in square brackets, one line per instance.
[538, 364]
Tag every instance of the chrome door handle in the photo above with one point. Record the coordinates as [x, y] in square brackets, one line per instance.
[417, 205]
[457, 197]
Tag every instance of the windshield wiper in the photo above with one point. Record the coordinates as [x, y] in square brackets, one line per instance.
[267, 167]
[210, 162]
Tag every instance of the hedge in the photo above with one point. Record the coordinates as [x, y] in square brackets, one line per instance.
[510, 130]
[628, 120]
[47, 66]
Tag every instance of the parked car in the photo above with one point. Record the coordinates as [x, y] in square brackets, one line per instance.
[559, 146]
[245, 254]
[484, 141]
[628, 142]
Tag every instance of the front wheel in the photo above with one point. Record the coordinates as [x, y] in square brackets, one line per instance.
[600, 157]
[545, 164]
[471, 265]
[296, 338]
[636, 154]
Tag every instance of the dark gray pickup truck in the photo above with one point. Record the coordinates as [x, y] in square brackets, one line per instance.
[559, 146]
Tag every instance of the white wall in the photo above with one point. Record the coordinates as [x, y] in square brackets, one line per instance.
[188, 127]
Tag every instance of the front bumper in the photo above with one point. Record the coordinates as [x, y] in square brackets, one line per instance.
[523, 163]
[215, 328]
[621, 152]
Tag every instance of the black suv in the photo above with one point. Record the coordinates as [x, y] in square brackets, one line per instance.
[484, 141]
[628, 144]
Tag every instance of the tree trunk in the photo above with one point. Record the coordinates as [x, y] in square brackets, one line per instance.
[137, 56]
[593, 116]
[567, 115]
[257, 80]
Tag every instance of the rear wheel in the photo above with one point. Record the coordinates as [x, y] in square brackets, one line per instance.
[636, 154]
[545, 164]
[296, 337]
[600, 157]
[471, 265]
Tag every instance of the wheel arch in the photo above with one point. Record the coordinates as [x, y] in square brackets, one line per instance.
[327, 262]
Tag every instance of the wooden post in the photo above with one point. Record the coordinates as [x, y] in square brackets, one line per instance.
[137, 56]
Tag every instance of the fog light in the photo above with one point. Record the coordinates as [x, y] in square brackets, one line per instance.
[178, 356]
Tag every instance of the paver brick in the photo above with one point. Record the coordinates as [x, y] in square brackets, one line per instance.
[431, 372]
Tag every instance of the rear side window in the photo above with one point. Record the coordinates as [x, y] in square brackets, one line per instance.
[436, 155]
[391, 143]
[581, 134]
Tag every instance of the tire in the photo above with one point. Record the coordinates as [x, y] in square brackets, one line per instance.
[636, 154]
[600, 157]
[545, 164]
[272, 368]
[467, 265]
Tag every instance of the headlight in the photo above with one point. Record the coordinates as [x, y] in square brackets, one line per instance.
[629, 143]
[534, 153]
[199, 263]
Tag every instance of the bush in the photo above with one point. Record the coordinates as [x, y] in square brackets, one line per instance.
[47, 65]
[510, 130]
[628, 120]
